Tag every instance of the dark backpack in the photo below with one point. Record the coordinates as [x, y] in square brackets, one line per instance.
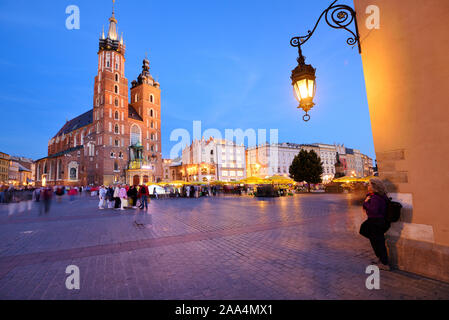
[393, 211]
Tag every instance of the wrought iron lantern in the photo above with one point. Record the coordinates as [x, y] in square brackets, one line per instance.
[304, 84]
[303, 76]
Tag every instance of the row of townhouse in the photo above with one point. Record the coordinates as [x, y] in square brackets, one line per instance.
[217, 159]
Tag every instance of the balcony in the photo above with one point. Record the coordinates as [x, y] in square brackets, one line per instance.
[139, 164]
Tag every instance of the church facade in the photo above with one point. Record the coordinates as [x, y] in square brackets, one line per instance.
[119, 139]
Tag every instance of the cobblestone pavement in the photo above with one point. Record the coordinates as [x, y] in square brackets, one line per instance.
[301, 247]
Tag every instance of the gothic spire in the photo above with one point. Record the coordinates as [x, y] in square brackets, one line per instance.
[112, 33]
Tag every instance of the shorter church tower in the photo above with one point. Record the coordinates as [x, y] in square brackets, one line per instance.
[146, 101]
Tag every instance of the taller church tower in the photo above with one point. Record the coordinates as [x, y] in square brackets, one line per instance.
[110, 112]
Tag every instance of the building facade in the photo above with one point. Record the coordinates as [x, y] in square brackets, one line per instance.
[275, 159]
[213, 159]
[21, 171]
[118, 140]
[411, 142]
[4, 168]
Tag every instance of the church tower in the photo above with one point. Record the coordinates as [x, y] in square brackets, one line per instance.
[110, 112]
[146, 101]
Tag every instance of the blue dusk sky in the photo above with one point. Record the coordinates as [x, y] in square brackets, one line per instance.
[225, 63]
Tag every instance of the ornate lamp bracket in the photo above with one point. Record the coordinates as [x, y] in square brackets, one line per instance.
[338, 16]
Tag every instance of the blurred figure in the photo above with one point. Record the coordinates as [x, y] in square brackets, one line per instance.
[117, 197]
[155, 192]
[37, 194]
[26, 200]
[102, 196]
[143, 217]
[132, 194]
[123, 198]
[110, 197]
[12, 200]
[72, 193]
[2, 194]
[143, 195]
[46, 200]
[59, 193]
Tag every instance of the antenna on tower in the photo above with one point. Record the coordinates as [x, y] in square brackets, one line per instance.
[113, 3]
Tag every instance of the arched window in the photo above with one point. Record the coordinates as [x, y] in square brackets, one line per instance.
[59, 170]
[73, 170]
[152, 136]
[152, 124]
[151, 98]
[151, 113]
[136, 134]
[116, 129]
[116, 116]
[72, 173]
[116, 77]
[116, 88]
[116, 102]
[91, 149]
[116, 168]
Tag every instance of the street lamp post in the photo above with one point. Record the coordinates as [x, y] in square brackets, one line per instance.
[303, 76]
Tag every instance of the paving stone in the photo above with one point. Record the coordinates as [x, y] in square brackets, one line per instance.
[301, 247]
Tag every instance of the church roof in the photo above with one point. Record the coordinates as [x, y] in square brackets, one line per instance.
[87, 118]
[132, 113]
[78, 122]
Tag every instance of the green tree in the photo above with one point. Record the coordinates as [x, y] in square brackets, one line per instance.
[306, 166]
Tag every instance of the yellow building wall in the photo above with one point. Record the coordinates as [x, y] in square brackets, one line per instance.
[405, 63]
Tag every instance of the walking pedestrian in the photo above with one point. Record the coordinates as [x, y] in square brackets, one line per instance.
[143, 194]
[2, 194]
[37, 194]
[374, 228]
[59, 193]
[117, 197]
[123, 198]
[102, 196]
[132, 196]
[110, 197]
[46, 200]
[72, 193]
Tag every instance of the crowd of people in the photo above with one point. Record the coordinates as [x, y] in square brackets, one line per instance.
[120, 197]
[21, 199]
